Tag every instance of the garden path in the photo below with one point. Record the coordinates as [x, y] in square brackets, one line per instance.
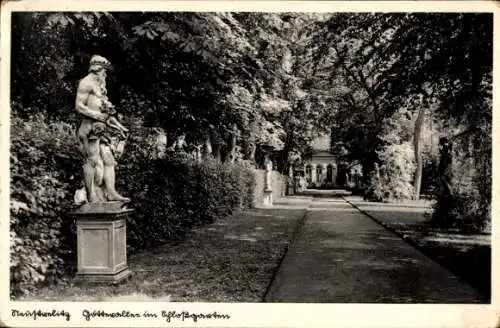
[341, 255]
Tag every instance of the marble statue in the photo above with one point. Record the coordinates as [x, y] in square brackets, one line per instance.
[101, 136]
[161, 142]
[179, 144]
[233, 147]
[196, 152]
[207, 148]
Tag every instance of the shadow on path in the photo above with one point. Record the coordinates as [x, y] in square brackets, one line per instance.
[342, 256]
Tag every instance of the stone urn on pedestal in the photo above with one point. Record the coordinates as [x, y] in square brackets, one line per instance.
[101, 215]
[268, 189]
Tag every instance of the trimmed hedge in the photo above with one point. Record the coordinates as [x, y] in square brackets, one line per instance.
[177, 193]
[171, 195]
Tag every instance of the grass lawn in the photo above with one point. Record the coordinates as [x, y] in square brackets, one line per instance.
[231, 260]
[466, 255]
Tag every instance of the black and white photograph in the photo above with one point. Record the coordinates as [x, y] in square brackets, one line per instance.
[246, 156]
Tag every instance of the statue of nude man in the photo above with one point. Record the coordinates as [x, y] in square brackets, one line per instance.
[94, 134]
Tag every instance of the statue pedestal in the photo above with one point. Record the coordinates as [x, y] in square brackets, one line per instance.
[101, 242]
[268, 197]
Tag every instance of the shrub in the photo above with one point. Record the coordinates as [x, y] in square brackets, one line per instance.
[170, 194]
[178, 193]
[355, 183]
[393, 180]
[462, 211]
[468, 208]
[42, 166]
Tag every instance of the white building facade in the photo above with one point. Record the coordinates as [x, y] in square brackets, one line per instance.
[321, 169]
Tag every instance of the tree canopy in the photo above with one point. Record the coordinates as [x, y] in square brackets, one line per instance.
[273, 79]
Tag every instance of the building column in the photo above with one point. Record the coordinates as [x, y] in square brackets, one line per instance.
[334, 173]
[314, 174]
[323, 173]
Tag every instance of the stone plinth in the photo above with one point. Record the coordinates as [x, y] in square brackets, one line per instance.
[102, 242]
[268, 197]
[268, 189]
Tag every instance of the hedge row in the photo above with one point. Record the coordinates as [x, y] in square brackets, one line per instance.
[170, 195]
[177, 193]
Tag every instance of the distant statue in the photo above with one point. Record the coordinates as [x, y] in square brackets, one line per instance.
[197, 152]
[302, 183]
[160, 142]
[101, 136]
[445, 165]
[180, 144]
[233, 148]
[206, 148]
[251, 150]
[238, 154]
[376, 172]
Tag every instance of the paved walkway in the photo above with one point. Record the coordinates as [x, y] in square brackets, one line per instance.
[340, 255]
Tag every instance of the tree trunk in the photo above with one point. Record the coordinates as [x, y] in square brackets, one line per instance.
[417, 143]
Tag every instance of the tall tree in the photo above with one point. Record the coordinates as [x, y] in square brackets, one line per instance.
[384, 59]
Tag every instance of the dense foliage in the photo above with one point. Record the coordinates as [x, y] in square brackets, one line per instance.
[43, 162]
[393, 180]
[171, 195]
[191, 194]
[245, 84]
[468, 208]
[388, 62]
